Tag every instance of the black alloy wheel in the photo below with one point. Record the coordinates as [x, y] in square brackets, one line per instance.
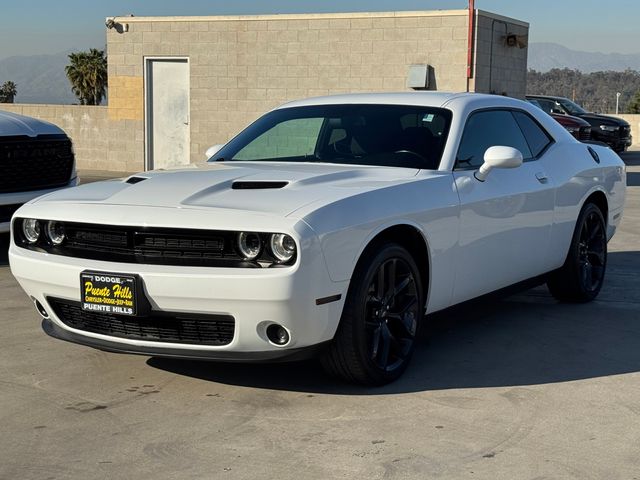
[391, 310]
[582, 275]
[592, 252]
[380, 319]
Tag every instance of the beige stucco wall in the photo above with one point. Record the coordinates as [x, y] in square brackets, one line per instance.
[634, 121]
[242, 66]
[500, 69]
[100, 143]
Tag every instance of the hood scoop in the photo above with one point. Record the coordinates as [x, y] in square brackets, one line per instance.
[258, 185]
[134, 180]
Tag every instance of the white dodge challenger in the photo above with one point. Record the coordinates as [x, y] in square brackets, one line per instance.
[330, 226]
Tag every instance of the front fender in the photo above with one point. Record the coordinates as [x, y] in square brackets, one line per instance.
[347, 226]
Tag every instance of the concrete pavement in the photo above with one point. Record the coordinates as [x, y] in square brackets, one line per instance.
[505, 388]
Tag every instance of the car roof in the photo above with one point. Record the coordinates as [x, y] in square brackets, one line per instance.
[427, 99]
[552, 97]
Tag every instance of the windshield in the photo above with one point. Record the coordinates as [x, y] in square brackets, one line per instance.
[382, 135]
[572, 108]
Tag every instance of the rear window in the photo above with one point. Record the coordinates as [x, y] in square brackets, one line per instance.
[536, 137]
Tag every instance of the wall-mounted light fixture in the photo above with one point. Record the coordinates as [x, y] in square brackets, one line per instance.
[513, 40]
[112, 23]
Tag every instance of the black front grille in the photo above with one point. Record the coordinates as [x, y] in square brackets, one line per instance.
[36, 163]
[584, 133]
[625, 131]
[149, 246]
[7, 211]
[157, 327]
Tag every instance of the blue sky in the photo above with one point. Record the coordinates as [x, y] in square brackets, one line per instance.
[45, 26]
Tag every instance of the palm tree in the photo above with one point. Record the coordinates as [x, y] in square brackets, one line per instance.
[8, 91]
[87, 72]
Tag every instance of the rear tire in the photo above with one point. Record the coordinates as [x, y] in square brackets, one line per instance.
[380, 318]
[580, 278]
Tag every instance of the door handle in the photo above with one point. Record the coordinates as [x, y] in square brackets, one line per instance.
[542, 177]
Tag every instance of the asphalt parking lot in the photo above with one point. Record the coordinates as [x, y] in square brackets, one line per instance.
[515, 387]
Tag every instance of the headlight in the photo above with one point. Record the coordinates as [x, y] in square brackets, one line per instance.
[609, 128]
[31, 229]
[283, 247]
[55, 232]
[249, 245]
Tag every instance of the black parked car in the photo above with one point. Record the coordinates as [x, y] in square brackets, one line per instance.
[613, 131]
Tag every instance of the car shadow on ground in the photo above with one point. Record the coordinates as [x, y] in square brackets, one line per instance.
[522, 339]
[631, 158]
[633, 179]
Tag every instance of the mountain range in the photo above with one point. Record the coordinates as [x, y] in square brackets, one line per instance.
[546, 56]
[41, 78]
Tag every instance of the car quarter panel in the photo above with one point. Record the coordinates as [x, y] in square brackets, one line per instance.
[429, 203]
[577, 176]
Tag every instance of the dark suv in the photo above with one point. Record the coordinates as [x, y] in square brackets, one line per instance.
[36, 158]
[613, 131]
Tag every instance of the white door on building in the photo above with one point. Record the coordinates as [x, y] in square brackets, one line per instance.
[167, 112]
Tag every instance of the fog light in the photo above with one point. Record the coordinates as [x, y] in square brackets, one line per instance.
[277, 334]
[283, 247]
[41, 309]
[31, 229]
[249, 245]
[55, 232]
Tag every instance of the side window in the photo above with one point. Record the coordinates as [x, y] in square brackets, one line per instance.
[486, 129]
[536, 137]
[547, 105]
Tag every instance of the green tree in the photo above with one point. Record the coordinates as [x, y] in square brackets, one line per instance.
[634, 104]
[87, 72]
[8, 91]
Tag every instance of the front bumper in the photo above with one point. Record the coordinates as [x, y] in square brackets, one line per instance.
[12, 201]
[255, 298]
[614, 140]
[280, 355]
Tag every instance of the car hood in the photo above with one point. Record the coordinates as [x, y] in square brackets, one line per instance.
[594, 118]
[270, 188]
[12, 124]
[569, 120]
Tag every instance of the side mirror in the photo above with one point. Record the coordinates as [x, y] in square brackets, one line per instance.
[498, 157]
[213, 149]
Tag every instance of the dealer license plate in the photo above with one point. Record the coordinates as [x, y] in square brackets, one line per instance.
[108, 293]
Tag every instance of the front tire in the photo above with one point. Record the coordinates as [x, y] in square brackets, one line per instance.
[380, 318]
[580, 278]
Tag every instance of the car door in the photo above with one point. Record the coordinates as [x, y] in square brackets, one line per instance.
[505, 221]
